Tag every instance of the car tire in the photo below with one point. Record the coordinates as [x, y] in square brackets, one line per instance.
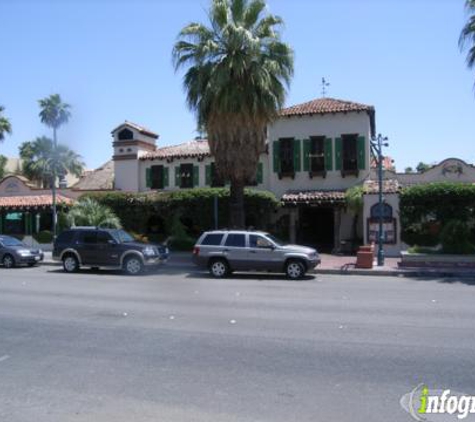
[295, 269]
[219, 268]
[70, 264]
[133, 265]
[8, 261]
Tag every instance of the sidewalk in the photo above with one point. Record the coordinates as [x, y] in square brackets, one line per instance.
[340, 265]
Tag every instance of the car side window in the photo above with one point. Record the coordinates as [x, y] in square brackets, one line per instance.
[65, 237]
[88, 238]
[212, 239]
[256, 241]
[236, 240]
[103, 238]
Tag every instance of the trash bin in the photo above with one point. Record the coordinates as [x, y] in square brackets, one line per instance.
[365, 257]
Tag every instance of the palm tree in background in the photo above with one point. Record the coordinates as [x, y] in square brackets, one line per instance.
[88, 212]
[54, 113]
[467, 37]
[5, 125]
[41, 159]
[237, 71]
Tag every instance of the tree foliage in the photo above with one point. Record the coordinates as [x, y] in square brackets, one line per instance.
[426, 209]
[88, 212]
[3, 164]
[237, 70]
[40, 158]
[195, 208]
[54, 113]
[467, 36]
[5, 125]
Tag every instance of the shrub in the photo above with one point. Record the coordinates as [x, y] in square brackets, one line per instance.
[43, 237]
[426, 208]
[194, 206]
[455, 238]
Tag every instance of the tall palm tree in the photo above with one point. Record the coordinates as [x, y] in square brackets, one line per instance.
[41, 159]
[237, 71]
[54, 113]
[5, 125]
[467, 37]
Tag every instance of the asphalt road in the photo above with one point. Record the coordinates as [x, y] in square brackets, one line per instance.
[178, 346]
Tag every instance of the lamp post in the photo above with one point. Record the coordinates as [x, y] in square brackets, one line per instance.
[377, 143]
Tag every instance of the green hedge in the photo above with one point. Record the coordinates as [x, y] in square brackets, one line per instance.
[426, 209]
[153, 213]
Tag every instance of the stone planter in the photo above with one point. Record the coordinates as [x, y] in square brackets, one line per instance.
[436, 260]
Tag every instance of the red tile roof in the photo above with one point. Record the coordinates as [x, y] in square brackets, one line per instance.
[192, 149]
[324, 106]
[32, 201]
[314, 197]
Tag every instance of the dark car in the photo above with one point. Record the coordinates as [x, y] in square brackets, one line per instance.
[13, 252]
[112, 248]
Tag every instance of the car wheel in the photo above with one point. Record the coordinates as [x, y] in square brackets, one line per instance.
[294, 270]
[70, 264]
[133, 265]
[219, 268]
[8, 261]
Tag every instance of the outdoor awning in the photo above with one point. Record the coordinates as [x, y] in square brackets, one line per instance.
[32, 201]
[314, 197]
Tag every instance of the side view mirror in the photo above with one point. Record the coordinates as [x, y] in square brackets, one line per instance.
[112, 242]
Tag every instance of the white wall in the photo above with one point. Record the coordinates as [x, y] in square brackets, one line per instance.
[328, 125]
[126, 175]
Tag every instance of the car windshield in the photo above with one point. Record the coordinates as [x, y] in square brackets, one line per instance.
[122, 236]
[277, 241]
[10, 241]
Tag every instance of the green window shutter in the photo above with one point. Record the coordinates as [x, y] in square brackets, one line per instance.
[361, 153]
[260, 174]
[166, 178]
[196, 176]
[306, 155]
[148, 177]
[338, 154]
[276, 155]
[297, 156]
[208, 175]
[177, 177]
[328, 154]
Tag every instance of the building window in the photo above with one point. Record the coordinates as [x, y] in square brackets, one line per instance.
[286, 147]
[186, 176]
[350, 154]
[126, 135]
[157, 177]
[317, 154]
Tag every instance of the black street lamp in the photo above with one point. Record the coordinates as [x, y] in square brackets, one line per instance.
[377, 143]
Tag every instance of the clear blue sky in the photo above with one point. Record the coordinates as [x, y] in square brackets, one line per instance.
[111, 60]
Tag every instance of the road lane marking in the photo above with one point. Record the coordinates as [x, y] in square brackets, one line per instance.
[4, 358]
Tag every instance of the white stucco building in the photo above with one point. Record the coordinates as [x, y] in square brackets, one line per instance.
[315, 152]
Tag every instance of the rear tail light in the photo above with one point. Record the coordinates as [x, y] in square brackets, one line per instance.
[196, 250]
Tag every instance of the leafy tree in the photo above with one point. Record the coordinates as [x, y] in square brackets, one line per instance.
[354, 202]
[422, 167]
[3, 164]
[5, 125]
[88, 212]
[237, 69]
[408, 170]
[467, 36]
[41, 160]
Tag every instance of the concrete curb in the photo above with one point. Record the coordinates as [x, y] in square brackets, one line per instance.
[423, 273]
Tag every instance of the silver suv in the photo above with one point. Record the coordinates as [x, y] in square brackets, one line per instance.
[223, 252]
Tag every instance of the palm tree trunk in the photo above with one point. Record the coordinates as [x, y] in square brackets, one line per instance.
[53, 187]
[237, 217]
